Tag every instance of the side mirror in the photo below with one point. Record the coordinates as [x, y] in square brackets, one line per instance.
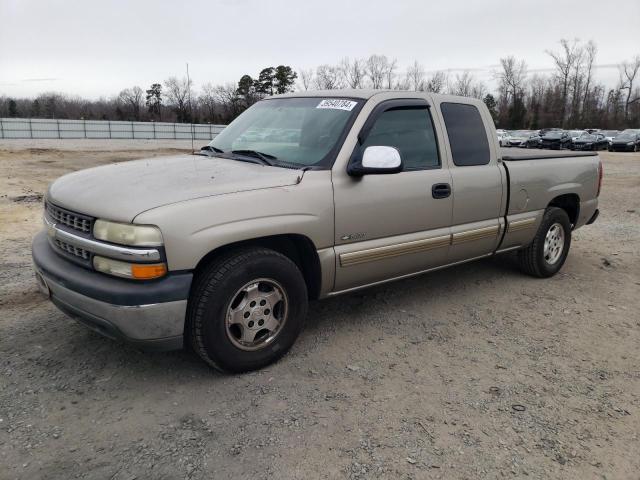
[376, 160]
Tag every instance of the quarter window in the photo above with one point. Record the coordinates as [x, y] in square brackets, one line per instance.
[410, 130]
[467, 135]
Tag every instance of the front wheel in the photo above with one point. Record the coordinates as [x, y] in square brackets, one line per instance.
[547, 253]
[246, 310]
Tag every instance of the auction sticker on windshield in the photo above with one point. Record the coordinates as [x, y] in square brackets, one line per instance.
[338, 104]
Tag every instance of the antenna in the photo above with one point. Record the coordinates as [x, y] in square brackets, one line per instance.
[190, 108]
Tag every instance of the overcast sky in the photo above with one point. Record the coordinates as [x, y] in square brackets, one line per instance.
[96, 48]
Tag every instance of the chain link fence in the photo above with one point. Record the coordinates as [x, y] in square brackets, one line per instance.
[52, 128]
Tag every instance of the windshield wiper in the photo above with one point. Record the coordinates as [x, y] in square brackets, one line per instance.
[211, 148]
[264, 157]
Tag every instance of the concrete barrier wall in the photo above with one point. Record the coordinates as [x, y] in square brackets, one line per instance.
[52, 128]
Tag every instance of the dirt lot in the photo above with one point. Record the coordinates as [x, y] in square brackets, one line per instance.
[473, 372]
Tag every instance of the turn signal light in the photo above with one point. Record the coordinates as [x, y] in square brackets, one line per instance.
[137, 271]
[146, 272]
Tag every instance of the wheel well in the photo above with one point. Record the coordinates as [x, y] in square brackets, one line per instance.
[570, 203]
[298, 248]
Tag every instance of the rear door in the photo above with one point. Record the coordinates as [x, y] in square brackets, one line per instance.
[477, 181]
[392, 225]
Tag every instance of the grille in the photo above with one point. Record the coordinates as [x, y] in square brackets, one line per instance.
[73, 250]
[72, 220]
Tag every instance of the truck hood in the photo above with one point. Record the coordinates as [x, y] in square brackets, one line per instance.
[121, 191]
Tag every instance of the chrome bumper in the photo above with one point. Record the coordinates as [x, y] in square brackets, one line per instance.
[161, 324]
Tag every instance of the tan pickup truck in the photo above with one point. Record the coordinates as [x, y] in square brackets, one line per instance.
[304, 196]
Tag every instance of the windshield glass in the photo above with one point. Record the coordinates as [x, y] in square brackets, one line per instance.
[609, 133]
[554, 134]
[625, 136]
[298, 131]
[577, 133]
[587, 136]
[521, 133]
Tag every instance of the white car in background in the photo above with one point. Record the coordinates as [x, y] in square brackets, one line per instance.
[519, 138]
[609, 134]
[575, 134]
[503, 135]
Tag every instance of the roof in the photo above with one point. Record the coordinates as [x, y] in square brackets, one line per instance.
[365, 93]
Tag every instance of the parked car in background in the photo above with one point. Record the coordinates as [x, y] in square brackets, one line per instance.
[518, 138]
[609, 134]
[544, 131]
[502, 135]
[627, 141]
[575, 134]
[590, 141]
[534, 141]
[556, 140]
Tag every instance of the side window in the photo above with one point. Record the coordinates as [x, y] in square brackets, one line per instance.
[467, 136]
[411, 131]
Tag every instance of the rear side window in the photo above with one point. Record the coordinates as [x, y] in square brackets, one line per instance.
[410, 130]
[467, 136]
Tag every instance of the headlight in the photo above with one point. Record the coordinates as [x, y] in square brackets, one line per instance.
[630, 144]
[137, 271]
[127, 234]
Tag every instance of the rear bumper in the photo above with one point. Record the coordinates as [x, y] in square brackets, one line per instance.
[150, 314]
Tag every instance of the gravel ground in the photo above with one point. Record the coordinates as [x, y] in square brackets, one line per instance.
[474, 372]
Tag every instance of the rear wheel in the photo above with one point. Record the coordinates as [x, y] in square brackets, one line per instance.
[550, 247]
[247, 309]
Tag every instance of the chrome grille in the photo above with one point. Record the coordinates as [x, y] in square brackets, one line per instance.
[70, 219]
[72, 249]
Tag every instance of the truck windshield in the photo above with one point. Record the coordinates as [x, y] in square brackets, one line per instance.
[289, 131]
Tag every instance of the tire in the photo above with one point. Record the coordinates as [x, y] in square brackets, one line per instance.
[533, 260]
[235, 286]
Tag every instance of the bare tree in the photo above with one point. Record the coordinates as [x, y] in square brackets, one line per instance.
[565, 61]
[590, 57]
[512, 77]
[437, 82]
[328, 77]
[377, 70]
[229, 100]
[306, 77]
[391, 72]
[132, 98]
[208, 101]
[415, 77]
[628, 74]
[462, 84]
[178, 93]
[354, 73]
[478, 89]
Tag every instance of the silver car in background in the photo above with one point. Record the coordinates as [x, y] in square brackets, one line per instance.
[519, 138]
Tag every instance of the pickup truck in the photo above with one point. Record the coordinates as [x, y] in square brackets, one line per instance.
[304, 196]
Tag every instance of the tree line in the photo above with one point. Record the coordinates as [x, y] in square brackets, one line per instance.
[569, 96]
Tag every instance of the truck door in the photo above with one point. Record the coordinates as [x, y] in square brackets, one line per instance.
[392, 225]
[476, 181]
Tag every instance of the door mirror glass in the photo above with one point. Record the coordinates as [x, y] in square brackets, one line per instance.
[377, 159]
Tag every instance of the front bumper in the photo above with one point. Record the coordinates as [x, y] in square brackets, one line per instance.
[149, 314]
[580, 146]
[621, 148]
